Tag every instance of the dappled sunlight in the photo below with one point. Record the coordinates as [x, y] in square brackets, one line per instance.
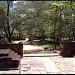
[40, 36]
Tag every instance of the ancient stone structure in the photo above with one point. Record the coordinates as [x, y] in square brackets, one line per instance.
[10, 55]
[67, 48]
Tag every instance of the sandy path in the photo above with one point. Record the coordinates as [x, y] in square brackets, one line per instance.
[32, 47]
[29, 48]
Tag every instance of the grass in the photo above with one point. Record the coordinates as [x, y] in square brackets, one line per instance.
[46, 44]
[49, 46]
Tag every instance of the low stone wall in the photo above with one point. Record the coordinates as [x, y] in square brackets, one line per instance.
[67, 48]
[18, 48]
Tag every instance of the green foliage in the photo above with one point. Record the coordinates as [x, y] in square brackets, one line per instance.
[53, 19]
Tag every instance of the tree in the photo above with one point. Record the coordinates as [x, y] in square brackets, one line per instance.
[9, 22]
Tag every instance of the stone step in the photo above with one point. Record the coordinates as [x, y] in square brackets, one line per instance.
[11, 54]
[16, 57]
[14, 64]
[4, 52]
[10, 61]
[5, 62]
[4, 59]
[40, 55]
[1, 55]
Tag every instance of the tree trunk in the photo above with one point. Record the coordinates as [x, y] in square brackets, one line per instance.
[8, 27]
[9, 39]
[43, 35]
[55, 34]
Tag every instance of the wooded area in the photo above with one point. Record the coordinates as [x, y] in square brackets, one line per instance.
[54, 20]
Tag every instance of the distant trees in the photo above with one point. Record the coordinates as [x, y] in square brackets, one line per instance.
[52, 19]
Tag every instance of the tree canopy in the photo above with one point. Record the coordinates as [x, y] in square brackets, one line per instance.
[52, 19]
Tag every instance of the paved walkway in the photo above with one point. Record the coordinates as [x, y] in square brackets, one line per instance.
[66, 65]
[47, 64]
[38, 65]
[44, 64]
